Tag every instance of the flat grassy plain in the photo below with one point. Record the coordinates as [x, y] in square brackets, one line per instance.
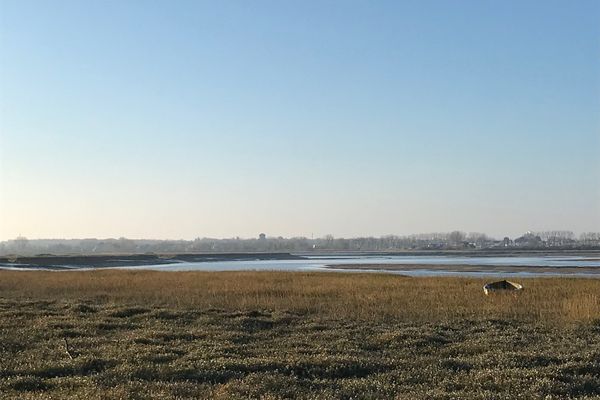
[269, 335]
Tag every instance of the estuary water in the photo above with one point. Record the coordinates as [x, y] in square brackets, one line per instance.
[487, 266]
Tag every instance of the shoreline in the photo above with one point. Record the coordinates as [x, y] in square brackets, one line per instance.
[72, 262]
[464, 268]
[328, 260]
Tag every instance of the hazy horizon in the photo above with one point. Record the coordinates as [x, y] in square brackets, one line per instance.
[217, 119]
[309, 236]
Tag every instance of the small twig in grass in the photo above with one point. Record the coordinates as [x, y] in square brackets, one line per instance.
[67, 350]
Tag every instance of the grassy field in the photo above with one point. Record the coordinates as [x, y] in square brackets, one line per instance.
[269, 335]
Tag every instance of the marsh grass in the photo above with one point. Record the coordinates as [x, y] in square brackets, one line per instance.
[142, 335]
[330, 295]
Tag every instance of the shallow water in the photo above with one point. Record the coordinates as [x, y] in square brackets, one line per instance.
[320, 263]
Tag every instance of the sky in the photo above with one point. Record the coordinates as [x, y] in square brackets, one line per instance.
[184, 119]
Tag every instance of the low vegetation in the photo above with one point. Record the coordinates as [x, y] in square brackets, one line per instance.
[270, 335]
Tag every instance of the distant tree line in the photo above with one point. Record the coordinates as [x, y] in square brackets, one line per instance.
[264, 243]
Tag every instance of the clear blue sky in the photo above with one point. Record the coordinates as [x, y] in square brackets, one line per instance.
[177, 119]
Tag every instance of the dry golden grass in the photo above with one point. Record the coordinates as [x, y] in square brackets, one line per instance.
[331, 295]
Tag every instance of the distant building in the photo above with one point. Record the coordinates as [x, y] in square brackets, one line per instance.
[262, 236]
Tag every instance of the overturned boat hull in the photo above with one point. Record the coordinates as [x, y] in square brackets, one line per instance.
[501, 286]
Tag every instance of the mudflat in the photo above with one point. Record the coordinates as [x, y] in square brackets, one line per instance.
[469, 268]
[59, 262]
